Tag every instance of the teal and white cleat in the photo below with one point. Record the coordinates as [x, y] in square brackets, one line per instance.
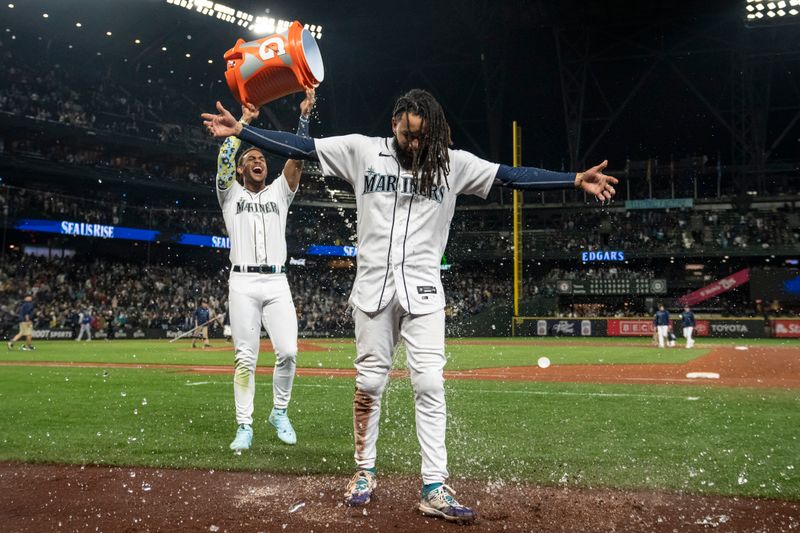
[359, 490]
[244, 438]
[283, 427]
[440, 503]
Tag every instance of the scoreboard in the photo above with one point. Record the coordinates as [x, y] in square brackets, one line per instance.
[603, 287]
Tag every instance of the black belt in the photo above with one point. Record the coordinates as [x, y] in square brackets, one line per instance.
[260, 269]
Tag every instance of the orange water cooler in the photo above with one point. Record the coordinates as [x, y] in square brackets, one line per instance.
[271, 67]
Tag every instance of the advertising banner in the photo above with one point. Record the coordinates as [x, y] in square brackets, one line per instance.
[701, 328]
[630, 328]
[733, 328]
[550, 327]
[785, 328]
[716, 288]
[741, 328]
[655, 203]
[52, 334]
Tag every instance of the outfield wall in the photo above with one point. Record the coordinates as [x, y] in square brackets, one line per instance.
[539, 327]
[643, 327]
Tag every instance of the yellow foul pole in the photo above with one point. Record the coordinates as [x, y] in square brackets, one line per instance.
[517, 227]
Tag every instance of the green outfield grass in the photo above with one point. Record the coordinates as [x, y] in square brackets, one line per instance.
[339, 353]
[697, 439]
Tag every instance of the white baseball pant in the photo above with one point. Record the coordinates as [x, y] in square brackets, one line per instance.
[253, 300]
[662, 335]
[687, 332]
[376, 337]
[85, 328]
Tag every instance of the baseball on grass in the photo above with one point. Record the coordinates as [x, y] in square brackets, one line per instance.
[543, 362]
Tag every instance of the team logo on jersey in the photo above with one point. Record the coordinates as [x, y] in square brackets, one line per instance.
[254, 207]
[374, 182]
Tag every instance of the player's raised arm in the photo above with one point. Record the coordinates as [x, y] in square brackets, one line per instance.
[593, 181]
[293, 168]
[223, 124]
[226, 160]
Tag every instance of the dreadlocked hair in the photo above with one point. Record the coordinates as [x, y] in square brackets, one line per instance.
[431, 162]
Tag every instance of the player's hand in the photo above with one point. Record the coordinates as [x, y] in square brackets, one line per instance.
[308, 102]
[596, 183]
[223, 124]
[250, 113]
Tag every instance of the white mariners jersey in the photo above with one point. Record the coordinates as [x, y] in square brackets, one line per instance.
[256, 222]
[401, 234]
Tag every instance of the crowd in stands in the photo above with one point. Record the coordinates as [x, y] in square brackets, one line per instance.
[48, 93]
[676, 231]
[53, 93]
[308, 225]
[137, 296]
[679, 230]
[132, 294]
[657, 231]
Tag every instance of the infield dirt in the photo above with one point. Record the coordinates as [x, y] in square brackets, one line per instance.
[39, 498]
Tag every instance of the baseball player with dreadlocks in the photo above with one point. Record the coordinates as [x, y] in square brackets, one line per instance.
[406, 187]
[255, 217]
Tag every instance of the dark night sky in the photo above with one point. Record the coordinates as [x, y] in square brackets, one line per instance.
[375, 51]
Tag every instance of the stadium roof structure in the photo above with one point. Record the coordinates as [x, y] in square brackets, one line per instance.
[587, 80]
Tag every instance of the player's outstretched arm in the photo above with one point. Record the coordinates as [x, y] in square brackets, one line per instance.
[293, 169]
[593, 181]
[289, 145]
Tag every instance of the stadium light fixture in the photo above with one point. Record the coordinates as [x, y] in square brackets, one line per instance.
[45, 15]
[78, 25]
[258, 25]
[760, 12]
[10, 6]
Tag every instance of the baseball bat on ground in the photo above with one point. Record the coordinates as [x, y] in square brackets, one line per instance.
[187, 333]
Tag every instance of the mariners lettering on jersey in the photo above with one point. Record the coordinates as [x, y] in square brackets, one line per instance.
[255, 207]
[374, 182]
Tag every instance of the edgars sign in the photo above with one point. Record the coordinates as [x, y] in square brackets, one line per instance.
[603, 255]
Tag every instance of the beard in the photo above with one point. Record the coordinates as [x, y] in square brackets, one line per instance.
[406, 157]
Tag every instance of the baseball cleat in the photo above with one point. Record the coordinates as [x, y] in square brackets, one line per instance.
[244, 438]
[440, 503]
[282, 425]
[10, 345]
[359, 490]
